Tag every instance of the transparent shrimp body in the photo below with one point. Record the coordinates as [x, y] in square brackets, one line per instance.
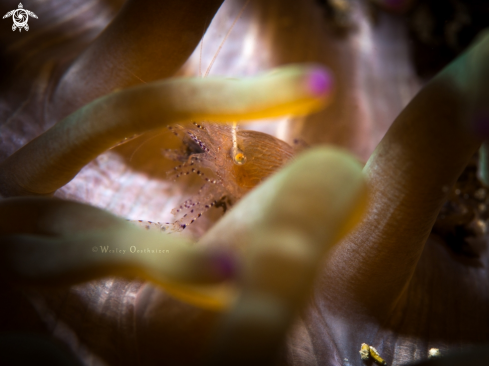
[230, 163]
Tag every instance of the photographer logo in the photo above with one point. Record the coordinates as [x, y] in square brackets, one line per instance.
[20, 17]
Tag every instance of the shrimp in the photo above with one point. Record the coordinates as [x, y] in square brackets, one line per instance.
[230, 163]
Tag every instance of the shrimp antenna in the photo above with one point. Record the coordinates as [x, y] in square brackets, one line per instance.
[201, 47]
[143, 143]
[200, 57]
[226, 37]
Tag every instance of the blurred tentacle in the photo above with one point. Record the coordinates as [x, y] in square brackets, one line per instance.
[148, 40]
[284, 248]
[51, 242]
[54, 158]
[483, 165]
[430, 142]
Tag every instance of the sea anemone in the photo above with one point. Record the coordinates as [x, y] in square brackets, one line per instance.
[390, 283]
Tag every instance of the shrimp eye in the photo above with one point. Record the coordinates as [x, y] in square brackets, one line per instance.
[239, 159]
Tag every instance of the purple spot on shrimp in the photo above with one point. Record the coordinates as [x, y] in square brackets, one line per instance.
[320, 82]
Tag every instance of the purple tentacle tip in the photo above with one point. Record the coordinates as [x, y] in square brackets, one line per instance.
[320, 82]
[481, 124]
[395, 3]
[224, 263]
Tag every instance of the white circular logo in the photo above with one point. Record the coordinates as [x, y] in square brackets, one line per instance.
[20, 17]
